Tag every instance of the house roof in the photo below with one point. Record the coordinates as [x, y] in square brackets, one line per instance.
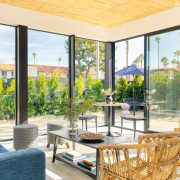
[42, 68]
[7, 67]
[165, 68]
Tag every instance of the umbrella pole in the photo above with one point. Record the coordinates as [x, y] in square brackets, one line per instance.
[133, 87]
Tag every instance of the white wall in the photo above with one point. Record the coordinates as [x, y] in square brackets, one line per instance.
[35, 20]
[148, 24]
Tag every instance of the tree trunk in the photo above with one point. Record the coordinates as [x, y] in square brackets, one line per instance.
[34, 60]
[158, 58]
[127, 56]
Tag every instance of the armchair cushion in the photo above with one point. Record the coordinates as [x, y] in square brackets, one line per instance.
[27, 164]
[3, 149]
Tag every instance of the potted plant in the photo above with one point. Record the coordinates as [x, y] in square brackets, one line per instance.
[108, 95]
[72, 109]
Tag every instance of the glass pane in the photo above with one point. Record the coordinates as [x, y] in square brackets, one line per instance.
[164, 81]
[127, 53]
[47, 77]
[7, 82]
[89, 74]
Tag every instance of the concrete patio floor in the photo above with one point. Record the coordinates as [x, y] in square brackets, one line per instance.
[157, 123]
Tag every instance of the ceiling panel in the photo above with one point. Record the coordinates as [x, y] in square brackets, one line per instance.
[107, 13]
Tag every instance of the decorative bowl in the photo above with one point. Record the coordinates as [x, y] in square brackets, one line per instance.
[91, 136]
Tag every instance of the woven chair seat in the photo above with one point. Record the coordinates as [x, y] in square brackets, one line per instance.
[139, 168]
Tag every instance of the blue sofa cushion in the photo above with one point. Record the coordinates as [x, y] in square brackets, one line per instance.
[26, 164]
[3, 149]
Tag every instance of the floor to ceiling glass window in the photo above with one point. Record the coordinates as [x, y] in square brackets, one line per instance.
[89, 74]
[128, 52]
[163, 81]
[7, 81]
[47, 77]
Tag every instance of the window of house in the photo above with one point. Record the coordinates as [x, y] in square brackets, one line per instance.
[4, 74]
[12, 74]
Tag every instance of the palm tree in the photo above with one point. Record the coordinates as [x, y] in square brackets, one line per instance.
[158, 40]
[34, 54]
[165, 61]
[141, 57]
[174, 61]
[177, 53]
[135, 61]
[59, 59]
[127, 55]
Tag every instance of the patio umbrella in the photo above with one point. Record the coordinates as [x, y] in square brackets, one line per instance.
[131, 70]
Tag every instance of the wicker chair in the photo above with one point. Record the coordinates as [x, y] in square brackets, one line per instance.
[157, 138]
[116, 162]
[177, 130]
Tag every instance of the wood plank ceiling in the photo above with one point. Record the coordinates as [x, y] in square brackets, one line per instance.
[107, 13]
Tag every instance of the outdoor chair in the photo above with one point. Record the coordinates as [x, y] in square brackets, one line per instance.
[130, 100]
[135, 118]
[86, 118]
[157, 137]
[117, 162]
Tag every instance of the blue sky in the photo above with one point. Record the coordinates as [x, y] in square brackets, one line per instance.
[136, 47]
[49, 47]
[7, 43]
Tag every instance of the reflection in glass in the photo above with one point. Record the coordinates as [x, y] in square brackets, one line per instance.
[164, 81]
[7, 81]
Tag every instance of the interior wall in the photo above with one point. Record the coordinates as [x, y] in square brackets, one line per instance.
[17, 16]
[145, 25]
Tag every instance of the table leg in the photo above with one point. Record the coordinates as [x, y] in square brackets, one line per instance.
[97, 164]
[96, 124]
[74, 146]
[109, 133]
[86, 124]
[109, 121]
[55, 148]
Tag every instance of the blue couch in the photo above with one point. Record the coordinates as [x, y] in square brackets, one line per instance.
[27, 164]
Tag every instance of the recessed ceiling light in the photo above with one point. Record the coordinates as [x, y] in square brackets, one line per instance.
[107, 5]
[177, 4]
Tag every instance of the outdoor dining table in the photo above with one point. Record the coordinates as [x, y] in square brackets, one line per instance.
[110, 133]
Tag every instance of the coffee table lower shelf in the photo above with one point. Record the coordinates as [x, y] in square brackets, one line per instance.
[60, 157]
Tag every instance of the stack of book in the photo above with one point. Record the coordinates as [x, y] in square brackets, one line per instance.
[74, 156]
[88, 163]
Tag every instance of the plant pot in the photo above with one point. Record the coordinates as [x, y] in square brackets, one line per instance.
[108, 99]
[72, 127]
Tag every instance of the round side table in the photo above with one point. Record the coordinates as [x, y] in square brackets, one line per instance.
[25, 136]
[54, 126]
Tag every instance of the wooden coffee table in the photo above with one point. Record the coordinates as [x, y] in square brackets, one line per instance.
[75, 139]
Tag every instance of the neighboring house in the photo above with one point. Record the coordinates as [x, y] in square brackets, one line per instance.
[170, 71]
[7, 71]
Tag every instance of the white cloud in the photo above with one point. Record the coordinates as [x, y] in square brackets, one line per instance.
[34, 45]
[4, 28]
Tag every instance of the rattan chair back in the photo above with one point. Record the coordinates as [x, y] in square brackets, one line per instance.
[136, 162]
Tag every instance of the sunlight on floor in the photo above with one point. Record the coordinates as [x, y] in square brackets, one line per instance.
[52, 175]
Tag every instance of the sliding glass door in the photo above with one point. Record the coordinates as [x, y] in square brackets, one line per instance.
[7, 81]
[163, 81]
